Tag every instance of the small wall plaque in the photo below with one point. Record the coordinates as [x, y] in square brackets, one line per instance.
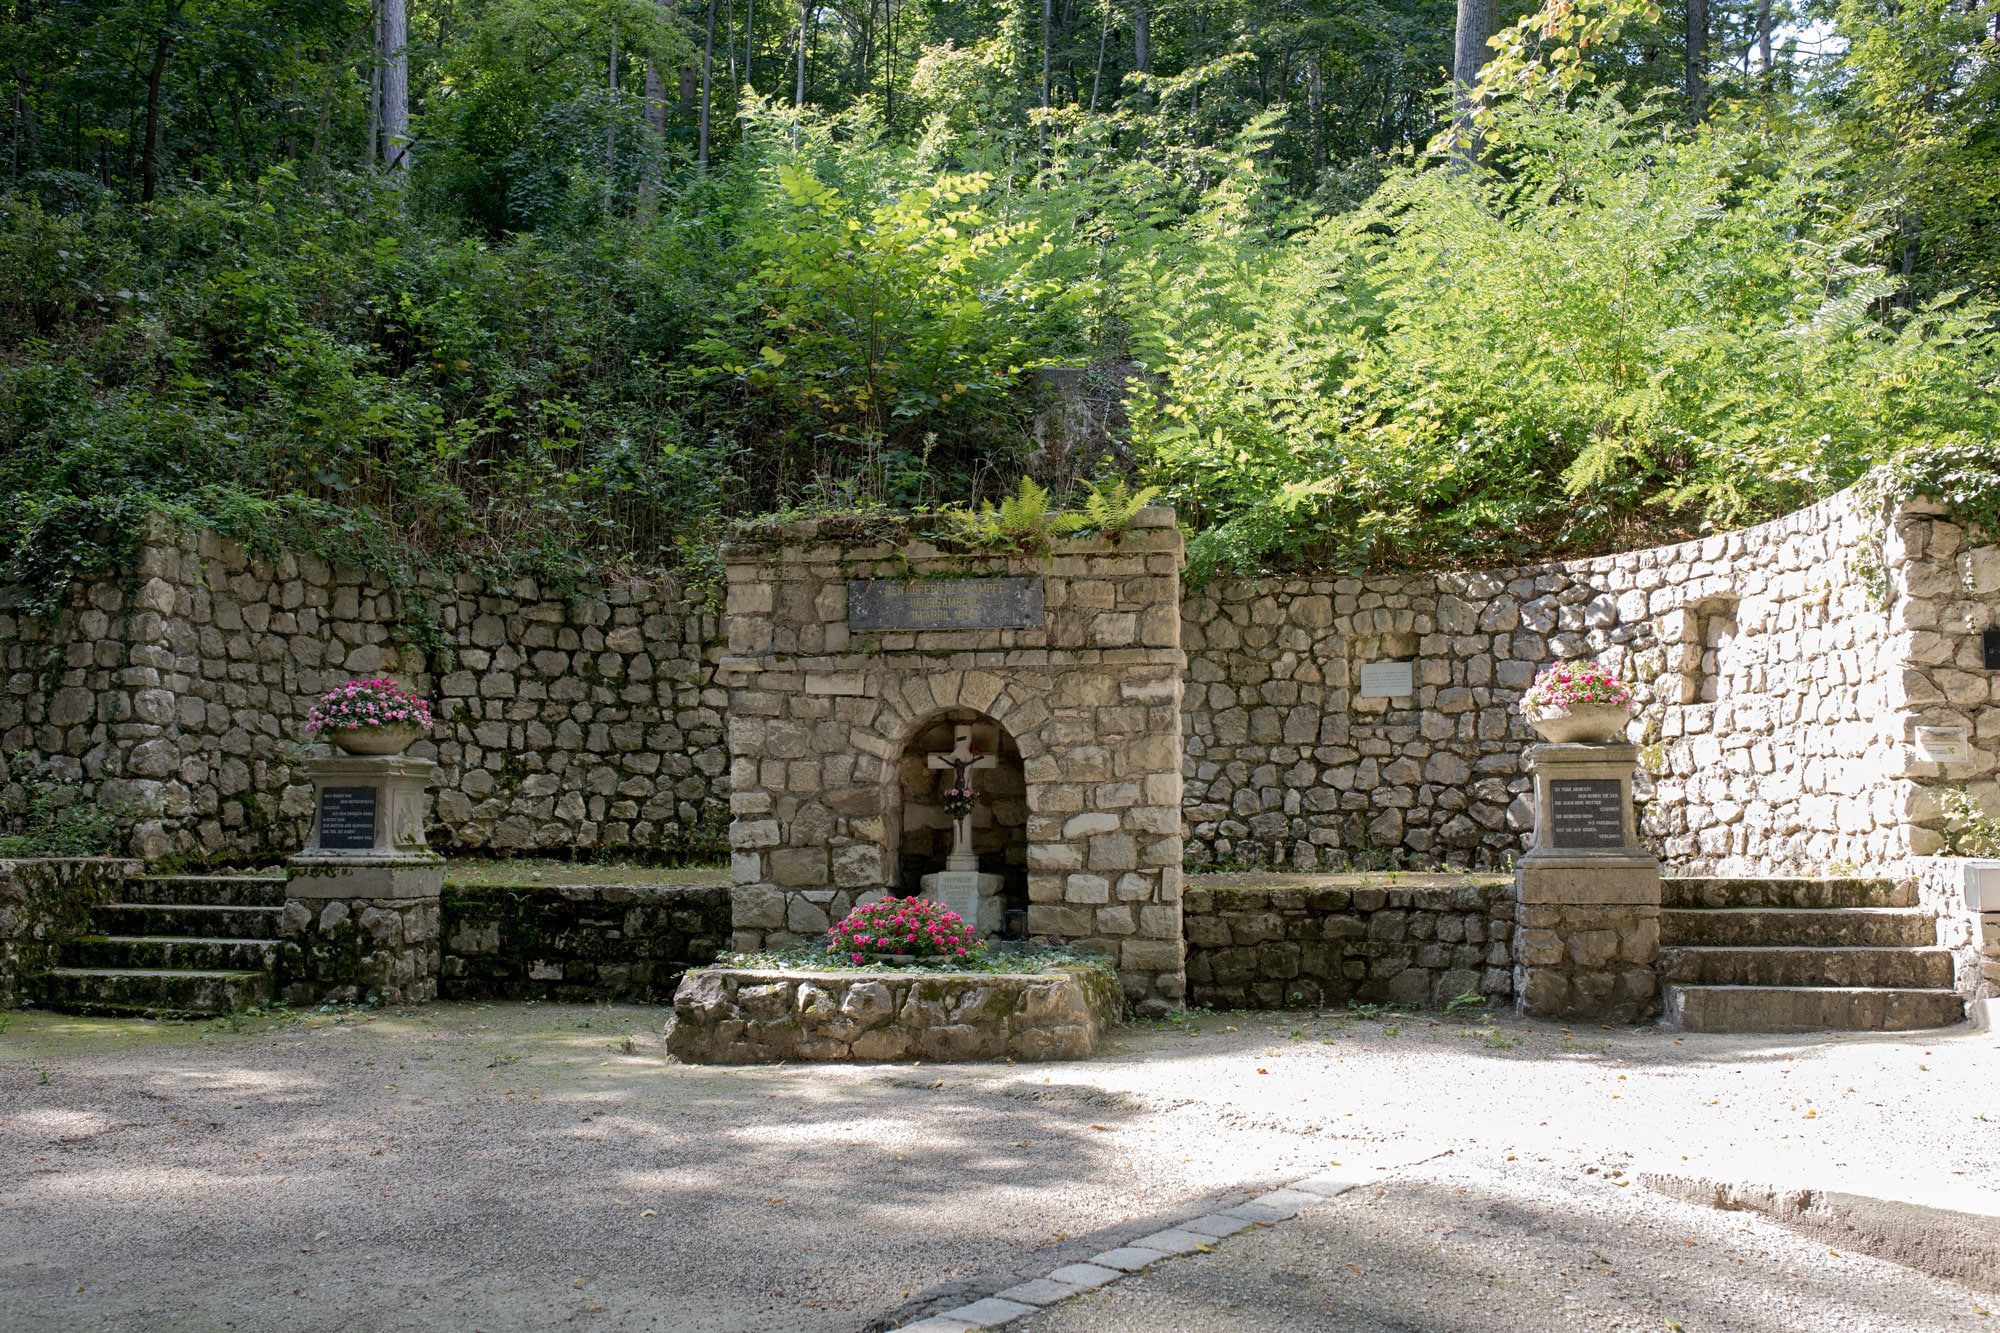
[1382, 680]
[1588, 813]
[347, 819]
[1989, 647]
[1943, 745]
[884, 604]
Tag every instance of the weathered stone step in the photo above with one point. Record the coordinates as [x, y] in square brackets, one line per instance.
[1784, 891]
[1802, 927]
[1810, 1008]
[1848, 967]
[207, 890]
[159, 992]
[173, 952]
[187, 920]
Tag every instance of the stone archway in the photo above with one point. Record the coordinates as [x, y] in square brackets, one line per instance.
[843, 653]
[921, 834]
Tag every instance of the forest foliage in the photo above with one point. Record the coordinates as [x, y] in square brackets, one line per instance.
[1238, 269]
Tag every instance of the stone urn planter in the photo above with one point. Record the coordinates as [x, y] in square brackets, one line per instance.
[393, 738]
[1583, 724]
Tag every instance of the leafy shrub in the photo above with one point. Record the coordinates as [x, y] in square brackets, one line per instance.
[1968, 830]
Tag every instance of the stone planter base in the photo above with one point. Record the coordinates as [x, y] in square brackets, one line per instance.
[725, 1015]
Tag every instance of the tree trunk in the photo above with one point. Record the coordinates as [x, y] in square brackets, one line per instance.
[799, 89]
[1764, 38]
[1103, 36]
[1142, 44]
[656, 121]
[1469, 55]
[1697, 59]
[611, 124]
[395, 86]
[707, 87]
[1043, 136]
[150, 158]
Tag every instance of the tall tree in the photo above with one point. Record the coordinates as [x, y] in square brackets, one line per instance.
[395, 47]
[1697, 58]
[707, 86]
[149, 170]
[1476, 19]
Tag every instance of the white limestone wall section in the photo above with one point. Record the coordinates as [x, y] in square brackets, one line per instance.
[1783, 670]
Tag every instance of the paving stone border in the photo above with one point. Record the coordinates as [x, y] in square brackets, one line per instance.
[1189, 1237]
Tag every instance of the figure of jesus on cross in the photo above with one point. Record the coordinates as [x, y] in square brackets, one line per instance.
[961, 759]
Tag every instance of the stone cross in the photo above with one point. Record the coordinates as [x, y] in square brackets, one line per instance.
[961, 759]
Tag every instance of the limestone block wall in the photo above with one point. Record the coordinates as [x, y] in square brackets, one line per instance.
[180, 693]
[45, 903]
[821, 716]
[1784, 671]
[1331, 944]
[578, 942]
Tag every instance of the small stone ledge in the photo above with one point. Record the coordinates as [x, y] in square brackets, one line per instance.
[725, 1015]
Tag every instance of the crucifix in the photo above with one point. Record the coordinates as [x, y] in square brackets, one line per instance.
[961, 759]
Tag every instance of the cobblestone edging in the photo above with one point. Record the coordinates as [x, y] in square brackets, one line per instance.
[1311, 946]
[1189, 1237]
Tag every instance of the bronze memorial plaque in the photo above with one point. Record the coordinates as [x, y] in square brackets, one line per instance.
[347, 818]
[884, 604]
[1588, 813]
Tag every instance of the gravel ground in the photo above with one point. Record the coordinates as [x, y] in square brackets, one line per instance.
[517, 1166]
[1455, 1245]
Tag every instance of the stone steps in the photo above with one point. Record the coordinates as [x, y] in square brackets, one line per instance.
[206, 890]
[188, 920]
[1810, 1008]
[1796, 966]
[175, 946]
[156, 992]
[1805, 927]
[173, 953]
[1785, 891]
[1784, 954]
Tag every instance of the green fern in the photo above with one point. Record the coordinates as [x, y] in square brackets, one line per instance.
[1108, 510]
[1023, 521]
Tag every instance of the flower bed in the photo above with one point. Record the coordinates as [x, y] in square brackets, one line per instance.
[761, 1015]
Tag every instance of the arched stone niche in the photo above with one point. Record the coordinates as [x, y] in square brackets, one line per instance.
[1075, 660]
[999, 822]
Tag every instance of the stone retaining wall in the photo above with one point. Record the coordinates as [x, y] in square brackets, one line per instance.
[358, 951]
[578, 942]
[1783, 673]
[44, 903]
[1326, 944]
[181, 693]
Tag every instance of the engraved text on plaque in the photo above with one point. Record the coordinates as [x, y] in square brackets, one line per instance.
[1588, 812]
[887, 604]
[347, 818]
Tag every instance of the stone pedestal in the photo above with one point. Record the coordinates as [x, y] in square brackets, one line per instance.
[1587, 933]
[362, 912]
[975, 897]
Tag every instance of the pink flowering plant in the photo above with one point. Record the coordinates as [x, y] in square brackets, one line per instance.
[918, 927]
[368, 703]
[1563, 686]
[958, 801]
